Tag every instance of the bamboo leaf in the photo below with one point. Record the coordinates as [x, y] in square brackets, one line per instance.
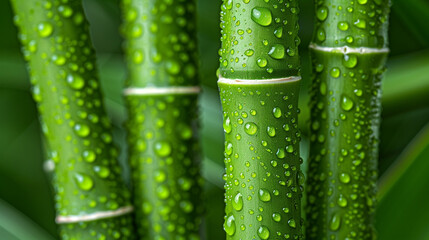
[16, 226]
[414, 14]
[403, 210]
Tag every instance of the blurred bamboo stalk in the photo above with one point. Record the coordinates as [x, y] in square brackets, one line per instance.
[91, 199]
[349, 51]
[161, 98]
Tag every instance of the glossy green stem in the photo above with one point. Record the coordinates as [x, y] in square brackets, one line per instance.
[345, 118]
[259, 88]
[86, 176]
[263, 177]
[161, 52]
[259, 39]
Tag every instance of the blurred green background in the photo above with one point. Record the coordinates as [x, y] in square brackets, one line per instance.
[26, 205]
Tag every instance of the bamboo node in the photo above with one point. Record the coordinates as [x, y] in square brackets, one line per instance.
[161, 91]
[94, 216]
[258, 81]
[347, 49]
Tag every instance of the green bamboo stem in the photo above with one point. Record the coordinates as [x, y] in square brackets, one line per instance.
[91, 199]
[349, 51]
[259, 87]
[161, 95]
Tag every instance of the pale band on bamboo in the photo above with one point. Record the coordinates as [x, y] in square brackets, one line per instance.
[94, 216]
[162, 90]
[347, 50]
[258, 81]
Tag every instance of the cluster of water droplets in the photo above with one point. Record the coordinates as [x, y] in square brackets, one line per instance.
[344, 137]
[108, 229]
[165, 166]
[355, 23]
[56, 43]
[259, 36]
[263, 177]
[160, 43]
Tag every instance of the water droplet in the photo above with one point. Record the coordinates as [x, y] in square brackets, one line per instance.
[301, 178]
[185, 132]
[89, 156]
[249, 52]
[173, 67]
[291, 222]
[289, 148]
[45, 29]
[76, 82]
[278, 32]
[264, 195]
[277, 51]
[262, 62]
[229, 225]
[290, 52]
[83, 181]
[250, 128]
[162, 192]
[344, 178]
[185, 183]
[360, 23]
[162, 148]
[228, 4]
[322, 13]
[263, 232]
[32, 46]
[335, 222]
[342, 201]
[271, 131]
[335, 72]
[321, 35]
[350, 61]
[358, 92]
[262, 16]
[280, 153]
[277, 217]
[346, 103]
[237, 202]
[138, 56]
[228, 148]
[136, 31]
[59, 60]
[103, 172]
[227, 124]
[65, 11]
[187, 206]
[160, 176]
[343, 26]
[82, 130]
[277, 112]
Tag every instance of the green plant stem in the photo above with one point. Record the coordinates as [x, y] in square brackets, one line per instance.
[349, 51]
[259, 88]
[161, 95]
[86, 176]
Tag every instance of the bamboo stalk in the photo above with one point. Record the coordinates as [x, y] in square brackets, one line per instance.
[259, 87]
[349, 51]
[91, 199]
[161, 93]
